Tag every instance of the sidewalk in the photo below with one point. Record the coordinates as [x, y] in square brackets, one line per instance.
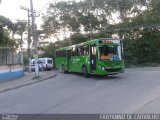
[26, 80]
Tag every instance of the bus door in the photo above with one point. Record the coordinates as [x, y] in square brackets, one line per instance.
[68, 59]
[93, 58]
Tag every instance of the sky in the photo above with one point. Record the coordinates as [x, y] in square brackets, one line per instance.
[11, 8]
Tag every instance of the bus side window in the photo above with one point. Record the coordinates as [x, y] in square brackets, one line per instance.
[57, 53]
[86, 50]
[64, 53]
[93, 50]
[82, 50]
[60, 53]
[79, 50]
[73, 51]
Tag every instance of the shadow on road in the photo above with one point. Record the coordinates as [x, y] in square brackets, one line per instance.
[96, 77]
[109, 77]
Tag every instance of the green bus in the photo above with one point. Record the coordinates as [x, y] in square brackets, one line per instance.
[103, 56]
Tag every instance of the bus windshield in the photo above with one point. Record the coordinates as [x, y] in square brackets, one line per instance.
[110, 52]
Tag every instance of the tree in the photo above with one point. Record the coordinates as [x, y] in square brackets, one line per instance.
[5, 28]
[20, 29]
[90, 16]
[49, 51]
[138, 24]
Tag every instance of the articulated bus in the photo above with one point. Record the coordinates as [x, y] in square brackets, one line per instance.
[102, 56]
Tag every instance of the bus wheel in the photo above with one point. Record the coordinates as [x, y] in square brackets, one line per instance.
[62, 69]
[84, 71]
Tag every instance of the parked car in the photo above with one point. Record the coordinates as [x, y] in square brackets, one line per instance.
[46, 63]
[43, 63]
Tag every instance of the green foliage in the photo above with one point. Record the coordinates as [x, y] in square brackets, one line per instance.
[49, 51]
[5, 40]
[20, 28]
[139, 28]
[25, 58]
[129, 52]
[78, 38]
[143, 50]
[6, 28]
[87, 15]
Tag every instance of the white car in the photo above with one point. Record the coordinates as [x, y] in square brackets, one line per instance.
[46, 63]
[43, 63]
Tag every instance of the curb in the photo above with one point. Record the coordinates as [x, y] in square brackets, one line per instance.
[23, 85]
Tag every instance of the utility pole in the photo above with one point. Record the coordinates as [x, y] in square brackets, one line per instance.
[29, 42]
[35, 40]
[29, 37]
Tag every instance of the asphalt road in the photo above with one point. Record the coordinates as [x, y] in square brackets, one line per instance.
[136, 90]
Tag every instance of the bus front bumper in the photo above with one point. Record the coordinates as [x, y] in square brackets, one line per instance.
[106, 71]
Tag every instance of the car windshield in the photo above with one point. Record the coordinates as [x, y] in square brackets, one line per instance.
[41, 61]
[49, 61]
[110, 52]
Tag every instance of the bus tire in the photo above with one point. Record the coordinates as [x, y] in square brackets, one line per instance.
[62, 69]
[84, 71]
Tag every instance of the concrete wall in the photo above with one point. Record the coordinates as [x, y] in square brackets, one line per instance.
[10, 72]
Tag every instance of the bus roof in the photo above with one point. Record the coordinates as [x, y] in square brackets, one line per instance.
[86, 43]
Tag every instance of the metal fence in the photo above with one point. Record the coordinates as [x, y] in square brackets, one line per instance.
[10, 57]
